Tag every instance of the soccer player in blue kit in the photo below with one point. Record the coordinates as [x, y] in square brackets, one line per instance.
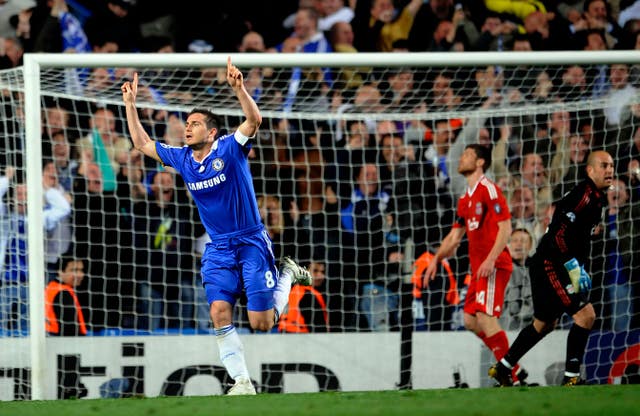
[239, 256]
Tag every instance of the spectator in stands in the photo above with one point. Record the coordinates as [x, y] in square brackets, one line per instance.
[163, 240]
[284, 232]
[99, 81]
[440, 42]
[364, 221]
[175, 130]
[523, 207]
[55, 119]
[367, 100]
[134, 179]
[307, 305]
[489, 82]
[616, 249]
[63, 312]
[366, 33]
[521, 43]
[13, 242]
[629, 10]
[518, 301]
[634, 71]
[425, 22]
[290, 20]
[462, 34]
[117, 19]
[347, 79]
[533, 174]
[551, 131]
[596, 16]
[437, 153]
[8, 15]
[97, 230]
[544, 214]
[357, 147]
[66, 167]
[11, 52]
[61, 31]
[252, 42]
[341, 37]
[567, 165]
[105, 146]
[401, 93]
[64, 317]
[332, 12]
[496, 34]
[443, 96]
[546, 31]
[308, 210]
[573, 86]
[597, 75]
[395, 26]
[58, 239]
[629, 152]
[304, 85]
[619, 95]
[433, 305]
[415, 201]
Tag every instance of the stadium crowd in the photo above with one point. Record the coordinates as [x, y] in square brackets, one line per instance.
[363, 198]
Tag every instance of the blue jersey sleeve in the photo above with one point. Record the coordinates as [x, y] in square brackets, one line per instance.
[171, 155]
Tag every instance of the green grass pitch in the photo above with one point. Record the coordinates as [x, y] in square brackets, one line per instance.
[602, 400]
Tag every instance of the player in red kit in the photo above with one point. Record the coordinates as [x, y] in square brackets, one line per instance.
[484, 214]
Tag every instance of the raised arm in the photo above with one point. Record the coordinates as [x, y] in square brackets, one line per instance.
[249, 126]
[140, 138]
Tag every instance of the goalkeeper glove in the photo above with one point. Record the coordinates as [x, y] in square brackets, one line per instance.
[585, 280]
[578, 276]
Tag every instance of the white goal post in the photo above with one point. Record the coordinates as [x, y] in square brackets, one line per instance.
[36, 64]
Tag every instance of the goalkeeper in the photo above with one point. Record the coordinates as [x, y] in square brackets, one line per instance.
[559, 281]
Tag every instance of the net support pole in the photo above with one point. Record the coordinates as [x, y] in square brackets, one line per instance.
[35, 228]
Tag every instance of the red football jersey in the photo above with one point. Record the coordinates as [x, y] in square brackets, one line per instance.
[480, 210]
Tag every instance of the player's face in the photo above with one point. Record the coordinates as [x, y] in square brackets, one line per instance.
[601, 170]
[468, 162]
[196, 134]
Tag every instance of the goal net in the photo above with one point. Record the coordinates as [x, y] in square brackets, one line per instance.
[355, 171]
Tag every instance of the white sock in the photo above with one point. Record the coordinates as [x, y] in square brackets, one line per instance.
[506, 364]
[281, 294]
[231, 352]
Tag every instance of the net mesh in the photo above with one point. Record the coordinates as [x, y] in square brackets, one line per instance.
[355, 170]
[322, 128]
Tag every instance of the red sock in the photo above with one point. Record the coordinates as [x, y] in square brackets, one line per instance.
[498, 343]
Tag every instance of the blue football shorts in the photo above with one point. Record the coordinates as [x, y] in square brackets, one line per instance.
[240, 261]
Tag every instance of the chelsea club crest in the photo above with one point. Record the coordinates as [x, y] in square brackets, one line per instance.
[217, 164]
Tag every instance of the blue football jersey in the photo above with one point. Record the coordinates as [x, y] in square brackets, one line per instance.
[221, 185]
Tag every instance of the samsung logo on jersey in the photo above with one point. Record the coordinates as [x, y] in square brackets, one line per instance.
[209, 183]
